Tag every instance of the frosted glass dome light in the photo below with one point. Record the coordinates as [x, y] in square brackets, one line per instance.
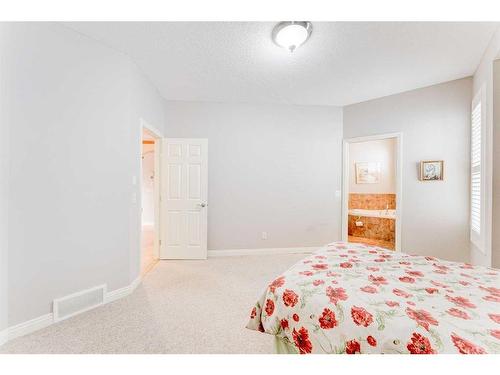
[292, 34]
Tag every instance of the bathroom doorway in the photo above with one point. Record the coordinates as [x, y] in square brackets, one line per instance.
[150, 201]
[371, 200]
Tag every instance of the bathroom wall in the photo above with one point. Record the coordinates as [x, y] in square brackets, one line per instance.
[382, 151]
[372, 201]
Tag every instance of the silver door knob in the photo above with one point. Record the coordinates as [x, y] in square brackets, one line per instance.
[202, 204]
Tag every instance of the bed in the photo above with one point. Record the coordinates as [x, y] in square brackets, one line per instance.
[351, 298]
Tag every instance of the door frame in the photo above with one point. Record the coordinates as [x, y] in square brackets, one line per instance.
[157, 135]
[399, 181]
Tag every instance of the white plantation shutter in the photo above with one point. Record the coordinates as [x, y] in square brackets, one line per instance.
[476, 159]
[476, 202]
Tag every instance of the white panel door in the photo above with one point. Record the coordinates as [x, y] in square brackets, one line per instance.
[184, 192]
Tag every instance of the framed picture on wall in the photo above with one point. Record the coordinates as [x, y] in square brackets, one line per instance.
[368, 173]
[432, 170]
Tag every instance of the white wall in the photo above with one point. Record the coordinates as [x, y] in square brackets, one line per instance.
[435, 123]
[146, 104]
[382, 151]
[75, 141]
[272, 168]
[483, 78]
[4, 173]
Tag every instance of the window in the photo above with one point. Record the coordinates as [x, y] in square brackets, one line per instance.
[476, 212]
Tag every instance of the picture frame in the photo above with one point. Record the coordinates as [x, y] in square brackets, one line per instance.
[367, 172]
[432, 170]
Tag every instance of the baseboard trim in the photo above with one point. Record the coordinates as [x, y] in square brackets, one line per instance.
[262, 251]
[122, 292]
[30, 326]
[46, 320]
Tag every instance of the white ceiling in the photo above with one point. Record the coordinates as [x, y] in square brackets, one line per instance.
[342, 63]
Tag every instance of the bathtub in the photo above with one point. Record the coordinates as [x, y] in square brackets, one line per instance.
[386, 214]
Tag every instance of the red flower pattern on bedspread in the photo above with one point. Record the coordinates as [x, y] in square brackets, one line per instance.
[279, 282]
[269, 307]
[290, 298]
[377, 280]
[352, 347]
[495, 317]
[320, 266]
[364, 299]
[336, 294]
[466, 347]
[492, 298]
[361, 317]
[301, 340]
[458, 313]
[491, 290]
[346, 265]
[495, 333]
[327, 319]
[414, 273]
[369, 289]
[461, 301]
[253, 314]
[371, 341]
[422, 317]
[407, 279]
[419, 345]
[284, 324]
[401, 293]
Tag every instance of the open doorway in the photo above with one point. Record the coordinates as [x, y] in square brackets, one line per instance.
[372, 191]
[150, 212]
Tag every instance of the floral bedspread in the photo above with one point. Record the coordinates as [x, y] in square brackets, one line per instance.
[352, 298]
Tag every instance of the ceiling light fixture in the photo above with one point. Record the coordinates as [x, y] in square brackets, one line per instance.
[292, 34]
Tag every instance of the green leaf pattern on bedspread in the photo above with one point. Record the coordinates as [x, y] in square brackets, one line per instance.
[353, 298]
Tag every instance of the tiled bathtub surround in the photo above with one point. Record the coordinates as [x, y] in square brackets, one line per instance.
[374, 229]
[372, 242]
[372, 201]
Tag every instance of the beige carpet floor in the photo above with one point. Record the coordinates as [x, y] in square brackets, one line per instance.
[180, 307]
